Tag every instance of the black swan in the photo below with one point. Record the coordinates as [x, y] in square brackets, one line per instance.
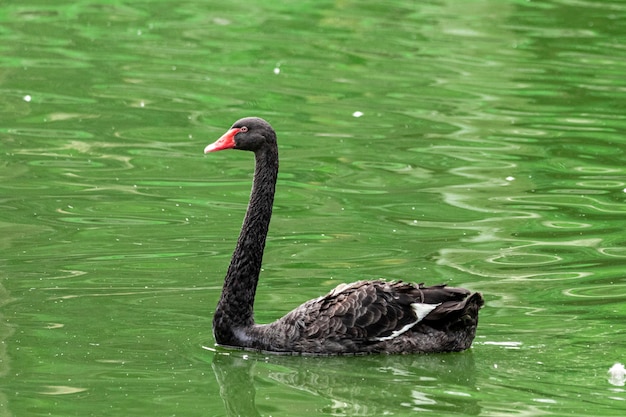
[362, 317]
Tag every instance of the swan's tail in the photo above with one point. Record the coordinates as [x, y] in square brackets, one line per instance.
[456, 306]
[454, 321]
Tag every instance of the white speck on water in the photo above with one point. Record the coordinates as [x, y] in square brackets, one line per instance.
[507, 345]
[544, 400]
[357, 114]
[27, 98]
[510, 178]
[221, 21]
[617, 375]
[458, 393]
[276, 70]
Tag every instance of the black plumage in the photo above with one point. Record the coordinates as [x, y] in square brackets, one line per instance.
[362, 317]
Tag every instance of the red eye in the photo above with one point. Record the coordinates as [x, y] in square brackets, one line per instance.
[243, 129]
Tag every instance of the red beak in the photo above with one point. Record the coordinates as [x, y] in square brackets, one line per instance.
[227, 141]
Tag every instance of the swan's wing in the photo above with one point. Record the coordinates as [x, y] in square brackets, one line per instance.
[373, 310]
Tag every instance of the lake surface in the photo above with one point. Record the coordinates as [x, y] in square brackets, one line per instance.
[480, 144]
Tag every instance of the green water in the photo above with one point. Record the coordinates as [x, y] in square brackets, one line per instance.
[476, 143]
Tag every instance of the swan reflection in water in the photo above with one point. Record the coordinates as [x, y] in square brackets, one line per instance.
[373, 385]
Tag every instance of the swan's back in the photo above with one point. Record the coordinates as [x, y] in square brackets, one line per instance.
[376, 317]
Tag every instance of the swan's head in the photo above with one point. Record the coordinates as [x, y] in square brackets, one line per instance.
[248, 134]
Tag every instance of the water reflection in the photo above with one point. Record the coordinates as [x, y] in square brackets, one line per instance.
[237, 389]
[362, 385]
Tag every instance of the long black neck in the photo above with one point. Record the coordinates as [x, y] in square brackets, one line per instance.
[235, 308]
